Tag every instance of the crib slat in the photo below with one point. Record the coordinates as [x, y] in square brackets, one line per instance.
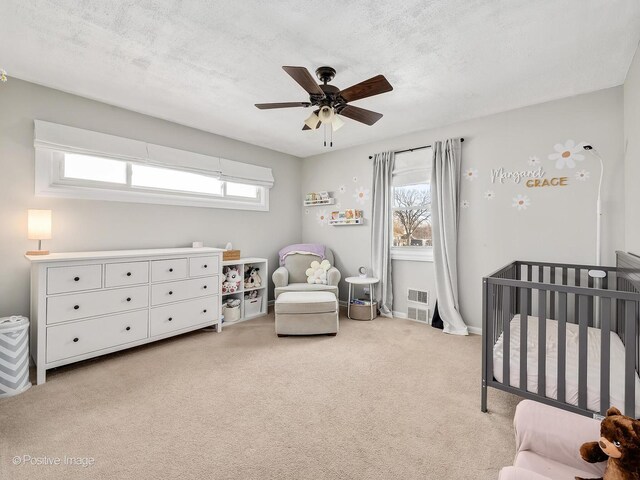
[562, 346]
[524, 308]
[630, 359]
[491, 289]
[605, 354]
[542, 342]
[529, 290]
[583, 322]
[506, 345]
[552, 293]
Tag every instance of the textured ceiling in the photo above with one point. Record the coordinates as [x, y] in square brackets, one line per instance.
[205, 63]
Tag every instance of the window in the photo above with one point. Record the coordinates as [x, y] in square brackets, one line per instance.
[128, 170]
[411, 207]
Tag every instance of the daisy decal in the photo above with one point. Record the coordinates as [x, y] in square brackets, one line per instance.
[3, 75]
[322, 217]
[342, 188]
[521, 202]
[566, 154]
[489, 194]
[306, 211]
[582, 175]
[355, 179]
[471, 174]
[361, 195]
[465, 204]
[533, 161]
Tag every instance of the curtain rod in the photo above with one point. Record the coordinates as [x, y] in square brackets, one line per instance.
[414, 148]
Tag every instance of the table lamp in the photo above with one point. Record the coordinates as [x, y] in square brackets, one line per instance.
[39, 228]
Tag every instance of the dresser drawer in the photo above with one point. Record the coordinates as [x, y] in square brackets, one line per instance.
[73, 279]
[203, 266]
[183, 315]
[82, 305]
[174, 269]
[123, 274]
[183, 290]
[78, 338]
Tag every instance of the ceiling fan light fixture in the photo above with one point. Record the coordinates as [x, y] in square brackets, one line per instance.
[337, 123]
[312, 121]
[326, 114]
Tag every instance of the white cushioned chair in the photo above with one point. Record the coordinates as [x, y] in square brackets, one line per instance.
[292, 277]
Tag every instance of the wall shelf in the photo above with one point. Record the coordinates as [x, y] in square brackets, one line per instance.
[355, 221]
[315, 203]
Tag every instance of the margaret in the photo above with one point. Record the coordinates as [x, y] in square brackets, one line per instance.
[501, 174]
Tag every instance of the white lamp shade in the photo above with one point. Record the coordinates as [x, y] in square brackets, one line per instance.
[312, 121]
[337, 123]
[326, 114]
[39, 224]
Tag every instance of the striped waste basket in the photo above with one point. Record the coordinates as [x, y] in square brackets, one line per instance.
[14, 356]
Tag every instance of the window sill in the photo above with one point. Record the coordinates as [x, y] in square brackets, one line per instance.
[412, 254]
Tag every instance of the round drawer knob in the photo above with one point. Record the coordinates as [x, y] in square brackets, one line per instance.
[204, 311]
[170, 318]
[76, 279]
[128, 299]
[205, 287]
[170, 292]
[128, 274]
[206, 266]
[128, 328]
[76, 307]
[76, 339]
[171, 270]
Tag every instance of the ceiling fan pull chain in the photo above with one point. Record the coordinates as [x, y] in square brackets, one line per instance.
[331, 137]
[324, 125]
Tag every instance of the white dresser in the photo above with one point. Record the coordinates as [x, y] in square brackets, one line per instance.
[87, 304]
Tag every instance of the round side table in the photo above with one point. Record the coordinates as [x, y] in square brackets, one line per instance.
[370, 281]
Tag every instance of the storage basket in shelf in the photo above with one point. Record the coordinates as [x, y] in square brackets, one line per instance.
[252, 306]
[230, 255]
[231, 314]
[363, 312]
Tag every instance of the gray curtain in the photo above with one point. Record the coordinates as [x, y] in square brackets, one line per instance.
[445, 192]
[381, 228]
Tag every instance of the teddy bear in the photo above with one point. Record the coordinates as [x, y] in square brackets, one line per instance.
[619, 446]
[317, 272]
[232, 280]
[252, 278]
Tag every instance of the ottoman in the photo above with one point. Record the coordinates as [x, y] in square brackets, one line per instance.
[306, 313]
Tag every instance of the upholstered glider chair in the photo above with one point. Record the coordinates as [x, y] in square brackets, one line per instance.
[292, 277]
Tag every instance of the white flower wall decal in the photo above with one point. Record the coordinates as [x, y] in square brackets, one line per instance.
[489, 194]
[582, 175]
[306, 211]
[322, 217]
[471, 174]
[361, 195]
[521, 202]
[566, 154]
[355, 179]
[533, 161]
[465, 204]
[342, 188]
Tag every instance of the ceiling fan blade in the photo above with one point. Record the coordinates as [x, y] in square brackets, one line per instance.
[374, 86]
[306, 127]
[304, 79]
[360, 114]
[266, 106]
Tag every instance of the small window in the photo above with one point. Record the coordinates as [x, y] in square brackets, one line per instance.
[95, 169]
[241, 190]
[411, 207]
[174, 180]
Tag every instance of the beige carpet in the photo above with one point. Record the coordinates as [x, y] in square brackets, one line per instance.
[388, 399]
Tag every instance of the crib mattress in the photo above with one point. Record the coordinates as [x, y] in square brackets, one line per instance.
[571, 376]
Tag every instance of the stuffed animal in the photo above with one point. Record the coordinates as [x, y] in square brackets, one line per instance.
[619, 446]
[252, 277]
[317, 272]
[232, 280]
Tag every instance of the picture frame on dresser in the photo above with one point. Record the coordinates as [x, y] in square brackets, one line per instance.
[87, 304]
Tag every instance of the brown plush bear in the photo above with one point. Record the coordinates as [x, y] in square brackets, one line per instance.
[619, 445]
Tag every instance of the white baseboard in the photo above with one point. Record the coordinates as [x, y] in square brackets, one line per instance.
[397, 314]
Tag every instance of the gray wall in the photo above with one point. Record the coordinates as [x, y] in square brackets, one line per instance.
[632, 153]
[98, 225]
[559, 225]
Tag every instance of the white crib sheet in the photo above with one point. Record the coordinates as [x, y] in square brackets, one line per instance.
[571, 387]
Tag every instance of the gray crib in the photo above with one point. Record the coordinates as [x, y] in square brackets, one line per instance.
[581, 335]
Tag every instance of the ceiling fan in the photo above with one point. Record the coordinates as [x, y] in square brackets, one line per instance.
[330, 100]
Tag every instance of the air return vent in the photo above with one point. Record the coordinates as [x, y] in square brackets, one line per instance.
[418, 314]
[418, 296]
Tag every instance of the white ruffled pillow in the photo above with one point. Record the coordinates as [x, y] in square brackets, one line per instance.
[317, 272]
